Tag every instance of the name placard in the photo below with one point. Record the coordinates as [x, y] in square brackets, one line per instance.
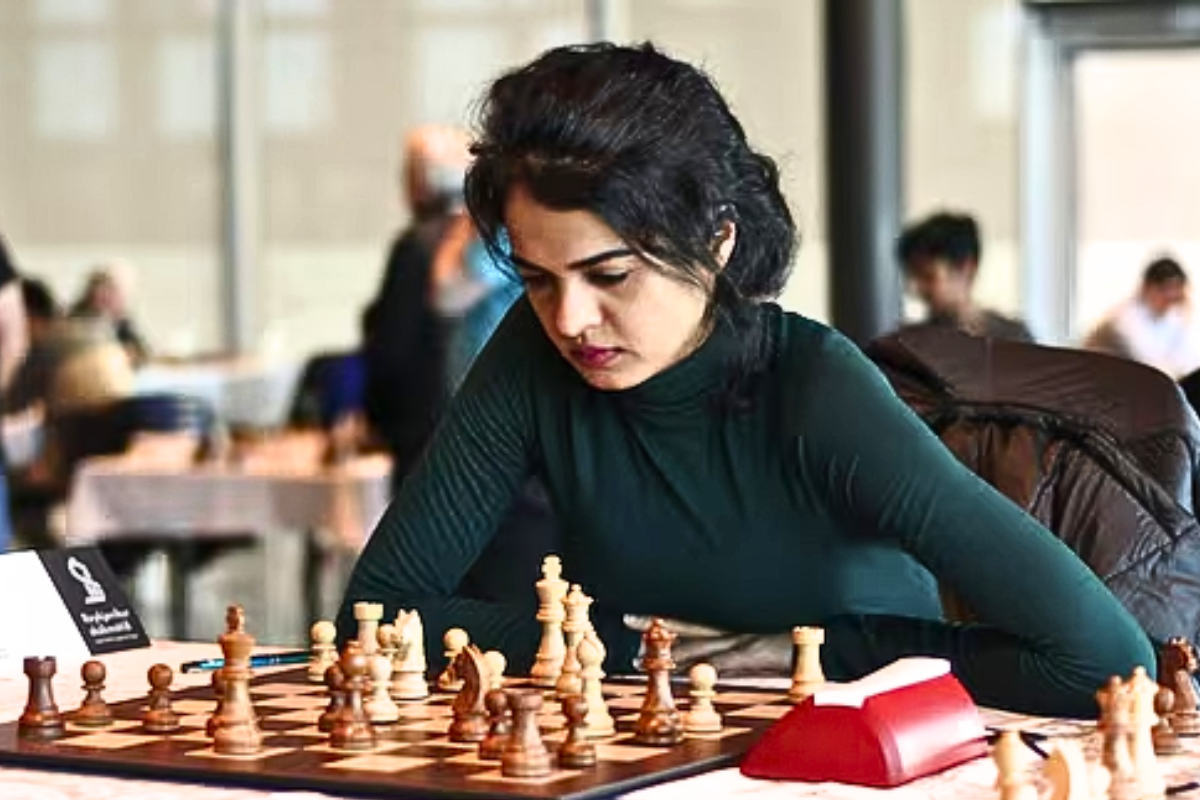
[65, 603]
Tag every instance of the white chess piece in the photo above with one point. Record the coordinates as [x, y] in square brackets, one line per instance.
[496, 664]
[598, 722]
[551, 590]
[324, 652]
[408, 674]
[576, 604]
[455, 641]
[807, 676]
[1142, 690]
[379, 706]
[1010, 767]
[701, 717]
[368, 616]
[1068, 773]
[388, 638]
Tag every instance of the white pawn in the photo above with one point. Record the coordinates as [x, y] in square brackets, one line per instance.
[379, 706]
[701, 717]
[1010, 780]
[1068, 774]
[388, 638]
[807, 676]
[455, 641]
[598, 722]
[368, 616]
[324, 652]
[409, 665]
[1146, 771]
[577, 604]
[496, 664]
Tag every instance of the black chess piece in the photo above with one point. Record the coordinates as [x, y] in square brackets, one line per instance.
[659, 722]
[159, 716]
[577, 752]
[41, 719]
[1166, 741]
[334, 681]
[352, 729]
[525, 755]
[500, 726]
[218, 687]
[93, 712]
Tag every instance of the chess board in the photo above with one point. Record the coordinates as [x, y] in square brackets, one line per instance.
[413, 758]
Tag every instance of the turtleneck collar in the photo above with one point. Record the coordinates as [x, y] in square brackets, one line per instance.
[692, 382]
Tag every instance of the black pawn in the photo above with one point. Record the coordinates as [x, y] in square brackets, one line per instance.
[500, 721]
[159, 716]
[576, 752]
[337, 699]
[218, 687]
[1166, 741]
[93, 712]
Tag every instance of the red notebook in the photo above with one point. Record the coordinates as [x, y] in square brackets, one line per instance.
[910, 719]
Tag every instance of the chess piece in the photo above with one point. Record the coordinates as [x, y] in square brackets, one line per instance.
[1067, 773]
[389, 641]
[577, 752]
[41, 719]
[499, 726]
[368, 615]
[525, 755]
[218, 687]
[1114, 701]
[335, 683]
[1010, 779]
[701, 717]
[807, 675]
[455, 640]
[1142, 691]
[159, 716]
[237, 732]
[496, 664]
[574, 626]
[1177, 666]
[658, 723]
[551, 591]
[1165, 741]
[93, 712]
[408, 675]
[352, 728]
[324, 651]
[470, 717]
[591, 655]
[381, 710]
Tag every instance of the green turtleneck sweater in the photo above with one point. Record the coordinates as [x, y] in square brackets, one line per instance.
[825, 501]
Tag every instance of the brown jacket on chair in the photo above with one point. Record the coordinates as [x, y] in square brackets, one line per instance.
[1101, 450]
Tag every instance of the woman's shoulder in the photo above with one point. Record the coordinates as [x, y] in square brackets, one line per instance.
[802, 343]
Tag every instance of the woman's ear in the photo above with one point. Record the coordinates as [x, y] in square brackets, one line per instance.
[726, 238]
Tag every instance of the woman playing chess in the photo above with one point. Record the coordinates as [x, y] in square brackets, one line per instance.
[712, 458]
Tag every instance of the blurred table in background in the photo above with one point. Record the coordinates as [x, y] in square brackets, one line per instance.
[179, 508]
[244, 392]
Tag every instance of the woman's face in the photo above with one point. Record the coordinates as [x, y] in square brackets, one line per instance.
[618, 320]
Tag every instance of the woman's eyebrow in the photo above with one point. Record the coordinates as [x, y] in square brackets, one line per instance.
[583, 263]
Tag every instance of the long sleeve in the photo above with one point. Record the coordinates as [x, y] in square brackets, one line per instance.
[1050, 633]
[450, 506]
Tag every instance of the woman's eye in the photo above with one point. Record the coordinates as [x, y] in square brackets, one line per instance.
[608, 278]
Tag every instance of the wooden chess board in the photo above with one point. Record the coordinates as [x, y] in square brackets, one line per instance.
[413, 758]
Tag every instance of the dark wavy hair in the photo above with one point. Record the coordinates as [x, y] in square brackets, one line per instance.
[647, 144]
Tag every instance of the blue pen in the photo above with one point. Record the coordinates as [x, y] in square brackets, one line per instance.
[270, 660]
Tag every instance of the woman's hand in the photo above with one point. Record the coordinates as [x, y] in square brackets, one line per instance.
[732, 654]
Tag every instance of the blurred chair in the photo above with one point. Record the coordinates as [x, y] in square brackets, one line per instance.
[1101, 450]
[331, 387]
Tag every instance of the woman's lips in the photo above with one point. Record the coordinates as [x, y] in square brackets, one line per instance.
[595, 357]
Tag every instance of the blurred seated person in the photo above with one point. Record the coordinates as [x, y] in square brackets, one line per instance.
[104, 297]
[72, 363]
[1157, 326]
[940, 256]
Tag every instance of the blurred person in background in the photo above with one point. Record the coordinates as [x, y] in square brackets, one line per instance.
[14, 342]
[105, 296]
[940, 256]
[1157, 326]
[72, 363]
[404, 347]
